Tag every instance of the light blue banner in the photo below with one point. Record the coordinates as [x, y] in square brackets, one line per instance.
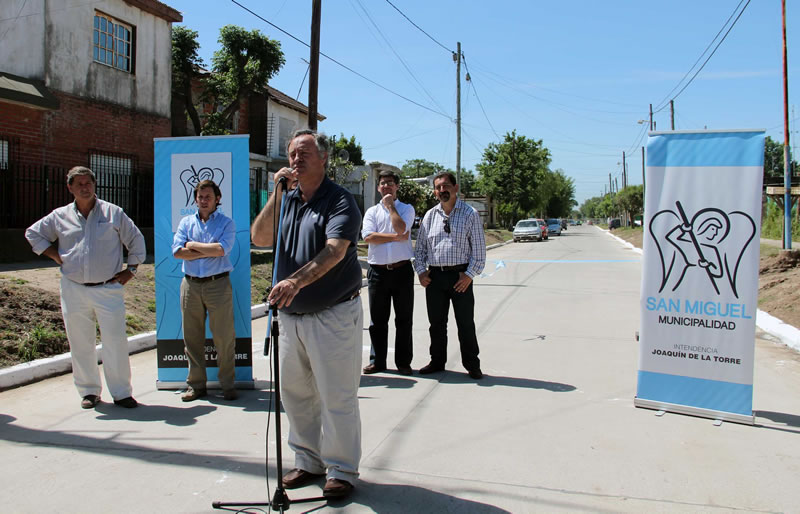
[700, 272]
[181, 163]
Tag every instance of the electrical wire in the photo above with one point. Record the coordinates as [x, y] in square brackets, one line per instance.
[396, 54]
[351, 70]
[418, 27]
[476, 95]
[662, 107]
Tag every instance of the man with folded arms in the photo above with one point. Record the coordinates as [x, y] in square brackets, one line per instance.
[390, 278]
[321, 318]
[85, 238]
[450, 252]
[204, 241]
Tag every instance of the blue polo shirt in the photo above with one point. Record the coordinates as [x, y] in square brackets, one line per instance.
[332, 213]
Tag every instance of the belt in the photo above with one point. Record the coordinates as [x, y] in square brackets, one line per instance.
[392, 266]
[206, 279]
[355, 295]
[95, 284]
[459, 267]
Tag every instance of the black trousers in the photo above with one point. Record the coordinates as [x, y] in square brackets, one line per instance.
[387, 288]
[438, 296]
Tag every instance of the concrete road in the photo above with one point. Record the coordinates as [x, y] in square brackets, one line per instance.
[551, 428]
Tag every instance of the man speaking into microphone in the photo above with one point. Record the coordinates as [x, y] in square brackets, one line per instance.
[318, 281]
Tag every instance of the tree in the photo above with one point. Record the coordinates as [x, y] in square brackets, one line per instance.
[561, 194]
[353, 148]
[773, 162]
[421, 197]
[186, 64]
[418, 168]
[243, 65]
[467, 183]
[512, 173]
[631, 200]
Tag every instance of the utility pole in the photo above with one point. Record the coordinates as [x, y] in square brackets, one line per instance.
[457, 58]
[624, 172]
[787, 163]
[643, 183]
[672, 113]
[610, 184]
[651, 117]
[313, 76]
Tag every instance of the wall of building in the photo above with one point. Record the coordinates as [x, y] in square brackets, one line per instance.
[64, 137]
[52, 40]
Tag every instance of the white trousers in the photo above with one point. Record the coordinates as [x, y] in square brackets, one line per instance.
[320, 374]
[80, 307]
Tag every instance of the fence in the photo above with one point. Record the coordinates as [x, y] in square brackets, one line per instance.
[29, 192]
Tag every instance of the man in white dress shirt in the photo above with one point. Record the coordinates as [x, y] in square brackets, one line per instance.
[390, 278]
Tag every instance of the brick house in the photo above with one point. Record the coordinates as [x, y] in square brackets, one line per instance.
[82, 83]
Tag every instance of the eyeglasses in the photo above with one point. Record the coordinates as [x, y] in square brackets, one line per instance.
[447, 225]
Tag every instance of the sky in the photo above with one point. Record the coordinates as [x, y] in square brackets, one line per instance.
[579, 75]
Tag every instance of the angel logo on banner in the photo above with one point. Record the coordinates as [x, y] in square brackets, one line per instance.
[190, 177]
[711, 244]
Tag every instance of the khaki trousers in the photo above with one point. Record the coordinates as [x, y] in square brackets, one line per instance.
[214, 297]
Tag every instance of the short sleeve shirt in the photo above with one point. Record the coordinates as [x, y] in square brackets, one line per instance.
[332, 213]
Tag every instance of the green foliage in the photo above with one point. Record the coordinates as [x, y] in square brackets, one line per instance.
[135, 325]
[216, 125]
[773, 161]
[420, 197]
[773, 221]
[631, 200]
[32, 343]
[560, 197]
[418, 168]
[353, 149]
[467, 183]
[186, 63]
[513, 173]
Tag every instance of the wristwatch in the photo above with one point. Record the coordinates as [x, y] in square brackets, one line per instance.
[132, 269]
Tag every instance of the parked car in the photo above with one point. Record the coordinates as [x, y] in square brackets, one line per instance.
[528, 230]
[563, 224]
[553, 227]
[543, 224]
[614, 223]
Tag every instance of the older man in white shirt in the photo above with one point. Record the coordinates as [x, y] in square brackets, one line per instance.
[85, 238]
[390, 278]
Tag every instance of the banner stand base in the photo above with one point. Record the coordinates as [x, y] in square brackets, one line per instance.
[694, 411]
[162, 385]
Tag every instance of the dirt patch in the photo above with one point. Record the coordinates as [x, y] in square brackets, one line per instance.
[778, 278]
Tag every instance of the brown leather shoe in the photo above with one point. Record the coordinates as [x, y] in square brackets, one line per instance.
[192, 394]
[476, 374]
[372, 368]
[90, 401]
[230, 394]
[335, 488]
[128, 403]
[298, 478]
[405, 370]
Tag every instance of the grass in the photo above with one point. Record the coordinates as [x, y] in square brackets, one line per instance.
[32, 343]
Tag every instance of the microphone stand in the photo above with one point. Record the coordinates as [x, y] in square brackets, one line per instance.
[280, 500]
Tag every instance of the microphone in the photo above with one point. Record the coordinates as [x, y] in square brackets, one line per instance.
[282, 180]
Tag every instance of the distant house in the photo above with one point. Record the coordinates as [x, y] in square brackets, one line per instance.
[83, 83]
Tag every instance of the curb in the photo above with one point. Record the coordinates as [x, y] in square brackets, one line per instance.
[774, 328]
[40, 369]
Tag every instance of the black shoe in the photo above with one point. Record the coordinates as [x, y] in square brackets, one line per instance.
[90, 401]
[128, 403]
[372, 368]
[430, 368]
[476, 373]
[405, 370]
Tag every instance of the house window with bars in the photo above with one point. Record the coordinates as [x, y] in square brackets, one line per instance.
[285, 130]
[4, 154]
[112, 42]
[114, 175]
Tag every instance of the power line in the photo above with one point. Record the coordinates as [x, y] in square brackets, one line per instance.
[662, 105]
[340, 64]
[418, 27]
[476, 96]
[399, 58]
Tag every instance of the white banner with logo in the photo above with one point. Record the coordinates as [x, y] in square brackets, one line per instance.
[700, 274]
